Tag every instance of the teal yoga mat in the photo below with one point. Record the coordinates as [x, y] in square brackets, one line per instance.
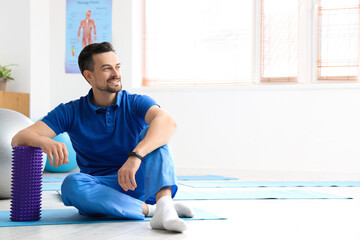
[179, 178]
[204, 177]
[71, 216]
[51, 186]
[242, 184]
[253, 195]
[52, 179]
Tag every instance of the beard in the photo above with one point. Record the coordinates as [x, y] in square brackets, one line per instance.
[109, 88]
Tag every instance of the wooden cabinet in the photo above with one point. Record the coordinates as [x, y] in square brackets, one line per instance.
[19, 102]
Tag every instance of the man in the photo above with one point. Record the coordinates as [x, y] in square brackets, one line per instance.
[87, 25]
[121, 147]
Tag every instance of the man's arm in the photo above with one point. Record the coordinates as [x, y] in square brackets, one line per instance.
[161, 128]
[40, 135]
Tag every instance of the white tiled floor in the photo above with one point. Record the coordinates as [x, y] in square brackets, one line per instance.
[247, 219]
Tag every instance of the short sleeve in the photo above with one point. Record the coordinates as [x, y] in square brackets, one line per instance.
[141, 104]
[58, 119]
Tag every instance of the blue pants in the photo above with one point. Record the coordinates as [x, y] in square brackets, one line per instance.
[103, 196]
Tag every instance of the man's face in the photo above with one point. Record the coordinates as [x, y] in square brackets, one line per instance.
[106, 75]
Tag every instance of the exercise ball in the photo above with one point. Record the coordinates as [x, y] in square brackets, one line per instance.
[64, 138]
[11, 122]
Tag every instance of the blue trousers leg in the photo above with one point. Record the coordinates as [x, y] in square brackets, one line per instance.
[102, 195]
[91, 197]
[157, 171]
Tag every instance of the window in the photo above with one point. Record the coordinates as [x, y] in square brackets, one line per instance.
[279, 40]
[207, 42]
[198, 42]
[338, 40]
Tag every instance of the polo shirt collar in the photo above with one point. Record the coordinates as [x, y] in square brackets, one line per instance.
[95, 108]
[118, 98]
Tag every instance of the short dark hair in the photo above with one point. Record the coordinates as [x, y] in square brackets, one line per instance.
[86, 61]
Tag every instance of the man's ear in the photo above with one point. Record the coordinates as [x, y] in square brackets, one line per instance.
[88, 75]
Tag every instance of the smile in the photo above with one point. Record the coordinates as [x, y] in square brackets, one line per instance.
[114, 81]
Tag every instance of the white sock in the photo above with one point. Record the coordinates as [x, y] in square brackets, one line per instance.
[181, 209]
[165, 216]
[184, 210]
[151, 210]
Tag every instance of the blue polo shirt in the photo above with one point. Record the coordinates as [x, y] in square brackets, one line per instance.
[101, 137]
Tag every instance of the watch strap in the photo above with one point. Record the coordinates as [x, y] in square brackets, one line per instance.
[134, 154]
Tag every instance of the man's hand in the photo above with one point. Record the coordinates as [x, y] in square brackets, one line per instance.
[126, 174]
[57, 151]
[40, 135]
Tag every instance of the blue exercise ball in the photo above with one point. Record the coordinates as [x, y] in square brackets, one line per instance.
[64, 138]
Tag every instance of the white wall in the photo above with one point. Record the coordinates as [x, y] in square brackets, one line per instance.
[39, 59]
[25, 41]
[311, 128]
[15, 42]
[266, 129]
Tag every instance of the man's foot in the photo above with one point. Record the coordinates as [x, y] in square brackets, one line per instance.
[166, 217]
[182, 210]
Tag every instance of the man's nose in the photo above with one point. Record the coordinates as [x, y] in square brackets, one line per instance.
[116, 73]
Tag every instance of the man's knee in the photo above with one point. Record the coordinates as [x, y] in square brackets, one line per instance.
[72, 179]
[75, 184]
[162, 154]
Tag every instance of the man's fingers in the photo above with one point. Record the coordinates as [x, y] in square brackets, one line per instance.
[122, 182]
[126, 174]
[61, 157]
[119, 179]
[66, 155]
[133, 182]
[51, 159]
[61, 154]
[126, 182]
[56, 151]
[56, 159]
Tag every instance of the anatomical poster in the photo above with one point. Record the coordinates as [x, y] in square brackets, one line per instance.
[87, 21]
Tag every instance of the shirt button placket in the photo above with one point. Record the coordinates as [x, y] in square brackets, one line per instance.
[108, 118]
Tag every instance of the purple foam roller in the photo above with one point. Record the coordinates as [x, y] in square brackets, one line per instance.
[26, 184]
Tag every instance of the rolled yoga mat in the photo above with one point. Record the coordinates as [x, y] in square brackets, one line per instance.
[26, 184]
